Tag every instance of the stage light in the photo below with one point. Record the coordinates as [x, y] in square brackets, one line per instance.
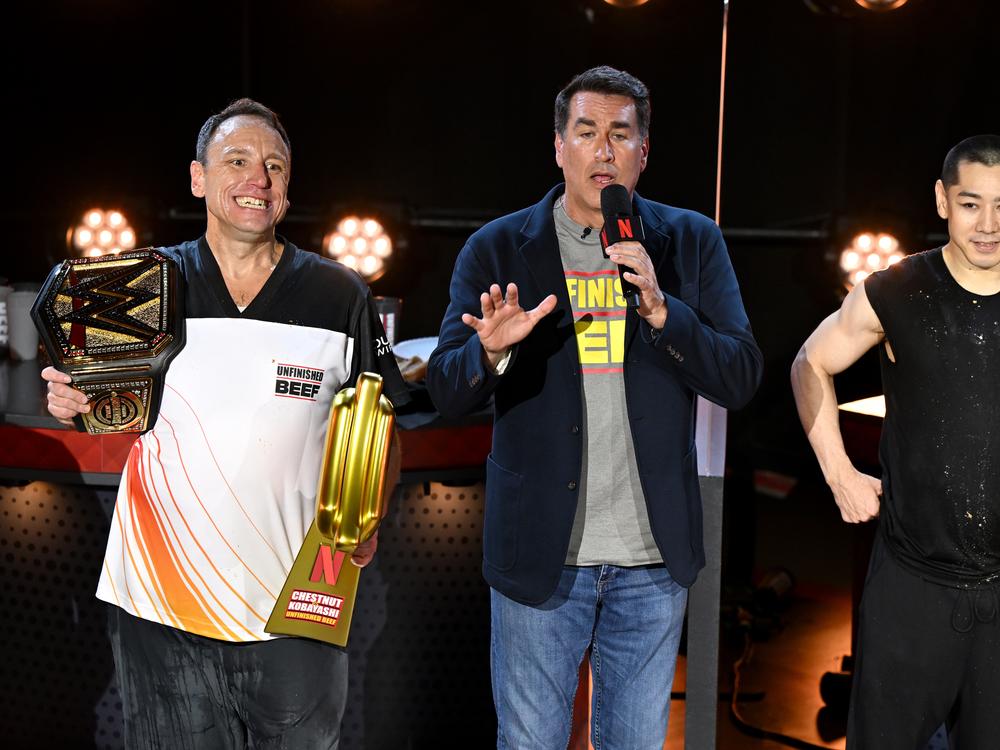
[850, 260]
[361, 244]
[101, 233]
[626, 3]
[880, 5]
[851, 8]
[867, 253]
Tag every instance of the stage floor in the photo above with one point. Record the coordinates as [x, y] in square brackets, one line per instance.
[782, 677]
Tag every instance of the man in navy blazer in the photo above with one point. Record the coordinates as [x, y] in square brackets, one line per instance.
[593, 521]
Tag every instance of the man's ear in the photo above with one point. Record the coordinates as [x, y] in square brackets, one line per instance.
[559, 147]
[941, 199]
[197, 179]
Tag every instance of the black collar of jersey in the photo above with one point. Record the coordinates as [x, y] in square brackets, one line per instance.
[265, 297]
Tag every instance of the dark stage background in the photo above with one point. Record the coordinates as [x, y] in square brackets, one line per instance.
[437, 116]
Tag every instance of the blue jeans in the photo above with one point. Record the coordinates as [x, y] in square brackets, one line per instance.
[630, 618]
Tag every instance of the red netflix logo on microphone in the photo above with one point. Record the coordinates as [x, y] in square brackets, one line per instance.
[622, 229]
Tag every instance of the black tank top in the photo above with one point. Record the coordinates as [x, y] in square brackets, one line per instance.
[940, 446]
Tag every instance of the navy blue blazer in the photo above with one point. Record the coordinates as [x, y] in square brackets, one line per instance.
[533, 472]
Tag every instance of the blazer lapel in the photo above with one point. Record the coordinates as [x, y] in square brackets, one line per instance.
[658, 245]
[660, 250]
[540, 254]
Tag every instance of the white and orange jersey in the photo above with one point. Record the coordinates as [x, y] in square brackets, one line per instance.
[216, 499]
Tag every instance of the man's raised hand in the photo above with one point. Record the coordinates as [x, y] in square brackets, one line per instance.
[505, 322]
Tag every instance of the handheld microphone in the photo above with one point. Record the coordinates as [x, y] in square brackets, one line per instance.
[620, 225]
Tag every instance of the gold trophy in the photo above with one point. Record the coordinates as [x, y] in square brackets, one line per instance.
[317, 600]
[114, 323]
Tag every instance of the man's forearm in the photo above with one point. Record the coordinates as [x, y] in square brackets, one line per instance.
[816, 401]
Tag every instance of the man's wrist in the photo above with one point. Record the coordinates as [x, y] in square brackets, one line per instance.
[837, 470]
[496, 361]
[658, 319]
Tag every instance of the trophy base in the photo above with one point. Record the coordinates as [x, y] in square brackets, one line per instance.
[317, 600]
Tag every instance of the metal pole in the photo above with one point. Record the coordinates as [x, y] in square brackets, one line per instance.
[701, 707]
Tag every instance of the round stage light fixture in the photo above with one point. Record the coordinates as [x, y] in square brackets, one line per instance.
[851, 8]
[626, 3]
[101, 232]
[880, 5]
[361, 244]
[867, 253]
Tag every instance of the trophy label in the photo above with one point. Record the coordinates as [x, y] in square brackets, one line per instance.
[316, 607]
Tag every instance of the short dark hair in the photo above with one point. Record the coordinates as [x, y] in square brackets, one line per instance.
[247, 107]
[605, 80]
[979, 149]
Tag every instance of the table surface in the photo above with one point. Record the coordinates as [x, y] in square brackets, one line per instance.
[34, 445]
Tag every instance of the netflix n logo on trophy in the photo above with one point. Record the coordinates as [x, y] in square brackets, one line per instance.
[327, 566]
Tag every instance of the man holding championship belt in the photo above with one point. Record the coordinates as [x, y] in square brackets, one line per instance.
[216, 499]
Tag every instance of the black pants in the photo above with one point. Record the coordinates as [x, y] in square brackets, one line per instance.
[185, 692]
[927, 655]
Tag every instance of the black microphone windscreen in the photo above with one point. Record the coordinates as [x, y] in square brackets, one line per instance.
[615, 201]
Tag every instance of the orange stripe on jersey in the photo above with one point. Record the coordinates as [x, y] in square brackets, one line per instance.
[126, 538]
[175, 591]
[125, 549]
[150, 491]
[111, 580]
[180, 457]
[211, 617]
[208, 559]
[168, 616]
[208, 447]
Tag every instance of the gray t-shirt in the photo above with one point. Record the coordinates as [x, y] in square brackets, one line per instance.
[611, 524]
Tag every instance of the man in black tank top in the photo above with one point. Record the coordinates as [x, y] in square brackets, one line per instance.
[929, 639]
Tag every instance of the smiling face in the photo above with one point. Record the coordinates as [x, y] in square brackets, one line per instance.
[972, 208]
[602, 145]
[244, 180]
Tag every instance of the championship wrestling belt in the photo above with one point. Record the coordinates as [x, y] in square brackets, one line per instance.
[317, 600]
[113, 324]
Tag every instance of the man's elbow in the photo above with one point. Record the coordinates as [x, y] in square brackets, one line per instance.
[802, 372]
[441, 396]
[741, 389]
[799, 363]
[449, 407]
[448, 398]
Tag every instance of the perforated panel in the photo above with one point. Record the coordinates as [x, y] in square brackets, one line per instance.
[57, 670]
[420, 642]
[419, 645]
